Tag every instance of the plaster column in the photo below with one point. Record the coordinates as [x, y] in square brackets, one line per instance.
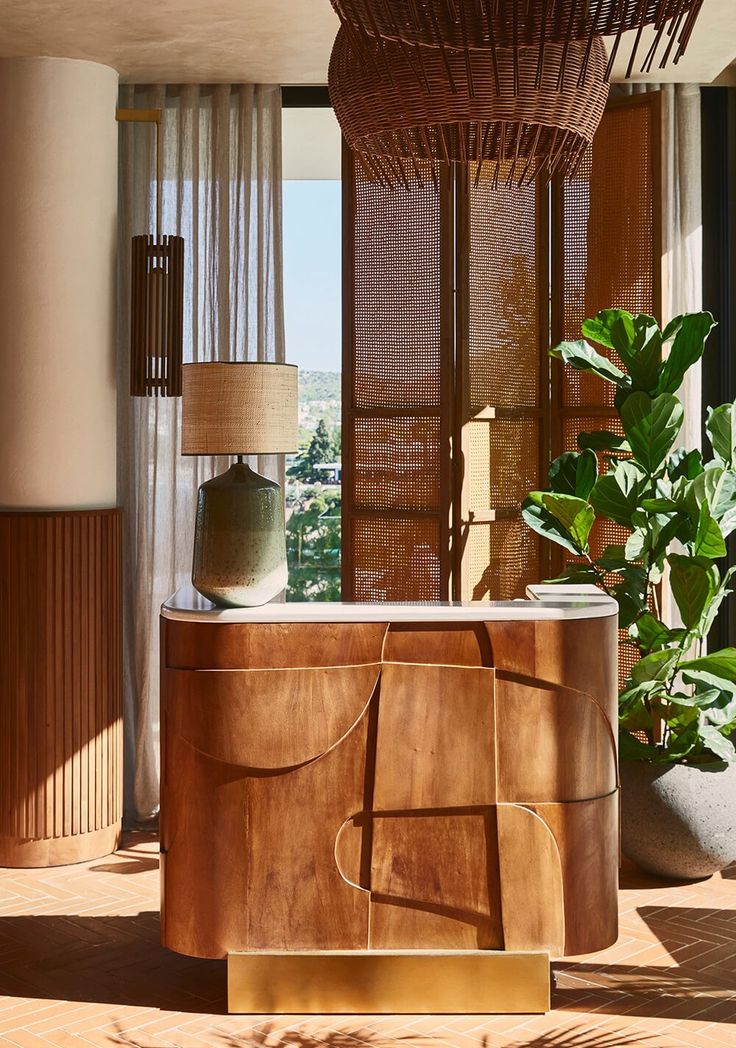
[58, 211]
[60, 530]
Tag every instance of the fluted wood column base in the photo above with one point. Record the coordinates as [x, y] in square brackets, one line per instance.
[59, 851]
[60, 686]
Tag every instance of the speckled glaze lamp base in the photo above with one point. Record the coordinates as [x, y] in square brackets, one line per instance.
[239, 539]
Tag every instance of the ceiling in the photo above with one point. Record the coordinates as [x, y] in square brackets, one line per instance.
[255, 41]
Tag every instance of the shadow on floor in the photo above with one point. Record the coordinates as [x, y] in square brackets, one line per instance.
[105, 960]
[631, 877]
[701, 926]
[645, 990]
[117, 960]
[353, 1036]
[582, 1038]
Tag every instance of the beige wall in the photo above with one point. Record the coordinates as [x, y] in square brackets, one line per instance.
[58, 203]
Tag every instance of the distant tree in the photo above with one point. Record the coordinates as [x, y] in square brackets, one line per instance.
[313, 549]
[320, 450]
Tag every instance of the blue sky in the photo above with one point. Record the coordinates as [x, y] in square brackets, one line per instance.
[312, 274]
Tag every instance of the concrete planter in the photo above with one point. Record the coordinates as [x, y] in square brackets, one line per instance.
[678, 820]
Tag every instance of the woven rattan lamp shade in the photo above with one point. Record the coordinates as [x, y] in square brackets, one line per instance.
[512, 111]
[239, 409]
[489, 24]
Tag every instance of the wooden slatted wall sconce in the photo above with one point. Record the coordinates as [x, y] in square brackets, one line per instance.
[157, 294]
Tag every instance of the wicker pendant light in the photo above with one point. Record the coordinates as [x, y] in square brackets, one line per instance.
[483, 25]
[157, 295]
[510, 106]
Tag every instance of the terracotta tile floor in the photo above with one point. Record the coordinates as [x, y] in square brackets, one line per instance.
[80, 964]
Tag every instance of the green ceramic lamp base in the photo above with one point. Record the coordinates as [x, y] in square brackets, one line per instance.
[240, 539]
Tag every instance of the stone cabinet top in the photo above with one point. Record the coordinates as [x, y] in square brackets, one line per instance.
[543, 602]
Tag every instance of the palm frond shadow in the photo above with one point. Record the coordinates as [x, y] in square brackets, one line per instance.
[579, 1037]
[270, 1036]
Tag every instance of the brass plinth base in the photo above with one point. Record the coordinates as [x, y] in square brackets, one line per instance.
[388, 982]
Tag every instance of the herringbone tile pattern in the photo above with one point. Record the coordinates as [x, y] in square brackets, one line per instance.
[80, 965]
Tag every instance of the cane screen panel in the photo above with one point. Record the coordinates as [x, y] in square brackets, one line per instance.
[503, 288]
[396, 388]
[611, 231]
[395, 559]
[397, 463]
[504, 466]
[397, 298]
[502, 559]
[505, 371]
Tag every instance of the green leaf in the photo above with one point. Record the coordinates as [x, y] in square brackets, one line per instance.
[680, 699]
[575, 515]
[680, 745]
[649, 634]
[603, 440]
[644, 353]
[577, 574]
[708, 539]
[707, 681]
[687, 464]
[717, 599]
[613, 558]
[717, 743]
[672, 328]
[687, 348]
[630, 603]
[720, 663]
[574, 473]
[721, 428]
[717, 487]
[651, 427]
[539, 519]
[600, 328]
[693, 581]
[632, 749]
[616, 493]
[656, 666]
[582, 357]
[636, 544]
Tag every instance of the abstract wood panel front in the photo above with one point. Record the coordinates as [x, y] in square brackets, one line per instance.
[425, 796]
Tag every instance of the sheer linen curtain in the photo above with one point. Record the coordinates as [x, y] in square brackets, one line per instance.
[221, 152]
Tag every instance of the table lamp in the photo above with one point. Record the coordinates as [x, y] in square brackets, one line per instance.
[240, 537]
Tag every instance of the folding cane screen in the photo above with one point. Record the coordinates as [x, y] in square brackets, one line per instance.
[451, 407]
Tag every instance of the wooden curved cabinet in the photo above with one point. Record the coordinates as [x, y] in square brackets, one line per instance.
[356, 777]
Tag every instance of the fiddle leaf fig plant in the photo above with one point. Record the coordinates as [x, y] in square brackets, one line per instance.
[676, 511]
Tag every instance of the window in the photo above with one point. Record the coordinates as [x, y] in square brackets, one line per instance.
[312, 301]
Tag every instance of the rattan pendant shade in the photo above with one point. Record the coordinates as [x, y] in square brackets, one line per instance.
[511, 108]
[520, 83]
[488, 24]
